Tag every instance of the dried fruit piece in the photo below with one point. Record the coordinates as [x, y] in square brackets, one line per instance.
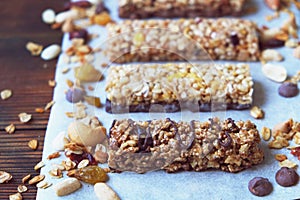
[34, 48]
[39, 165]
[5, 94]
[101, 19]
[295, 151]
[87, 73]
[266, 133]
[288, 163]
[16, 196]
[103, 191]
[271, 55]
[5, 177]
[22, 188]
[91, 174]
[24, 117]
[10, 129]
[69, 83]
[256, 112]
[286, 177]
[273, 4]
[275, 73]
[67, 186]
[26, 178]
[43, 184]
[36, 179]
[53, 155]
[33, 144]
[260, 186]
[94, 101]
[75, 95]
[288, 89]
[280, 157]
[50, 52]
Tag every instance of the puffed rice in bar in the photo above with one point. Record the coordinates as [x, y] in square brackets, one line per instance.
[142, 146]
[177, 86]
[179, 8]
[184, 39]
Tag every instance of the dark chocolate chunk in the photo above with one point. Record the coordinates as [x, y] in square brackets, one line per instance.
[225, 142]
[234, 39]
[260, 186]
[288, 89]
[286, 177]
[101, 8]
[82, 33]
[75, 95]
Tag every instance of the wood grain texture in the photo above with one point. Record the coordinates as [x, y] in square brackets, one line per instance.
[27, 77]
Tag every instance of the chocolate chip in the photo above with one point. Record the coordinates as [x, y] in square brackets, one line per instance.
[234, 38]
[82, 33]
[101, 8]
[260, 186]
[288, 89]
[75, 95]
[286, 177]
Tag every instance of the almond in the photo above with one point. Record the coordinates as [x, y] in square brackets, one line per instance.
[33, 144]
[273, 4]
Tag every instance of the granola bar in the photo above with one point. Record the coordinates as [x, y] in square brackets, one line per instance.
[143, 146]
[177, 86]
[184, 39]
[179, 8]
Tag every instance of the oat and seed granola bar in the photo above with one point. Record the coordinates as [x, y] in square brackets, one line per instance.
[143, 146]
[179, 8]
[184, 39]
[177, 86]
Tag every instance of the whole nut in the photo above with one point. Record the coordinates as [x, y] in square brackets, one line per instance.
[83, 134]
[260, 186]
[275, 73]
[50, 52]
[288, 89]
[67, 186]
[68, 26]
[59, 141]
[271, 55]
[273, 4]
[286, 177]
[48, 16]
[103, 191]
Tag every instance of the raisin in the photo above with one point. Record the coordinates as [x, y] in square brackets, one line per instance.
[91, 174]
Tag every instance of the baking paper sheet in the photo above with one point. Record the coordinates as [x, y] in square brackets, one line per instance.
[184, 185]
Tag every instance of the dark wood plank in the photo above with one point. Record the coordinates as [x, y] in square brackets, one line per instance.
[27, 77]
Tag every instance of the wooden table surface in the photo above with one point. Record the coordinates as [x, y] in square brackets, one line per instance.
[27, 77]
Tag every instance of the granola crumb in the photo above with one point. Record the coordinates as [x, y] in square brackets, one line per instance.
[24, 117]
[52, 83]
[10, 128]
[6, 94]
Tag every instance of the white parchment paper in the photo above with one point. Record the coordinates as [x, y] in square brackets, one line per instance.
[183, 185]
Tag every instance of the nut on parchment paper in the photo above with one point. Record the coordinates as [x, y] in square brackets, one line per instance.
[67, 186]
[257, 112]
[36, 179]
[266, 133]
[103, 191]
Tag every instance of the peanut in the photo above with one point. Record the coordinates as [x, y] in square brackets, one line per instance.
[103, 191]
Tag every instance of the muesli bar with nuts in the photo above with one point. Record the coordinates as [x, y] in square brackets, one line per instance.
[173, 87]
[142, 146]
[183, 39]
[179, 8]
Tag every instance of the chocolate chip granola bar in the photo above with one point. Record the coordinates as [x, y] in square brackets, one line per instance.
[179, 8]
[143, 146]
